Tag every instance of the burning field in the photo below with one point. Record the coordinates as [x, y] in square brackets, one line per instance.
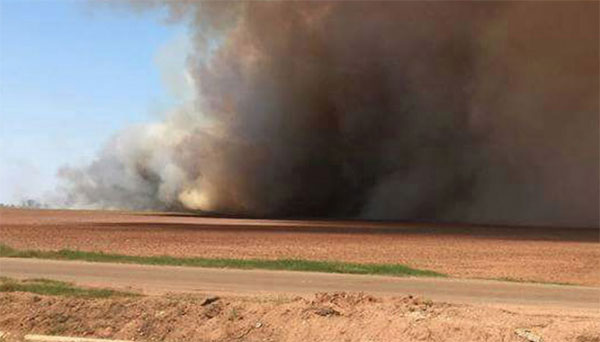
[526, 254]
[357, 119]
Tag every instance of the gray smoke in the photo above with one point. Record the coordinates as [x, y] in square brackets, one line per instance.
[444, 111]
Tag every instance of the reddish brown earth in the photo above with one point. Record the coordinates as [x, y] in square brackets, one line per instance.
[532, 254]
[322, 317]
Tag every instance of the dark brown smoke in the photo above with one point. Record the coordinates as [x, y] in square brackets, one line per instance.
[444, 111]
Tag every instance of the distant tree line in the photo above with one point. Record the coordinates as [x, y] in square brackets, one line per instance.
[26, 204]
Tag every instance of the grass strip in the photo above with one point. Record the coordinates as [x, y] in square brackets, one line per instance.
[56, 288]
[279, 264]
[519, 280]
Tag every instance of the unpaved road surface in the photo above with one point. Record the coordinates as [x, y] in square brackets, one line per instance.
[564, 255]
[161, 279]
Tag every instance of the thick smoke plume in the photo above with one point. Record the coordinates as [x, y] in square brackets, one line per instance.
[458, 111]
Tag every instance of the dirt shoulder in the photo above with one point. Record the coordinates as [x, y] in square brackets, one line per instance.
[321, 317]
[161, 279]
[529, 254]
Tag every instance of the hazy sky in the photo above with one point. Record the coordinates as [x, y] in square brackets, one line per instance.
[71, 75]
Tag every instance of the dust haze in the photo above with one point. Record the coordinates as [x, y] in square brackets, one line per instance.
[482, 112]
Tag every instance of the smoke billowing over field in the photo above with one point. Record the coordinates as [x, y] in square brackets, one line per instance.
[470, 111]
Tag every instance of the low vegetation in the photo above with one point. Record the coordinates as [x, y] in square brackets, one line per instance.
[280, 264]
[518, 280]
[55, 288]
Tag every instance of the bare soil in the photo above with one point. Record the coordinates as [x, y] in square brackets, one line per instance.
[322, 317]
[564, 255]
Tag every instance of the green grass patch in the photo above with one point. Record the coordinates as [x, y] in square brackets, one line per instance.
[517, 280]
[280, 264]
[56, 288]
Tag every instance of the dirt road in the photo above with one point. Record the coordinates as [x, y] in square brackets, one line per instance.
[160, 279]
[532, 254]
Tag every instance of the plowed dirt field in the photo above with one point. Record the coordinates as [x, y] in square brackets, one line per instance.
[565, 255]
